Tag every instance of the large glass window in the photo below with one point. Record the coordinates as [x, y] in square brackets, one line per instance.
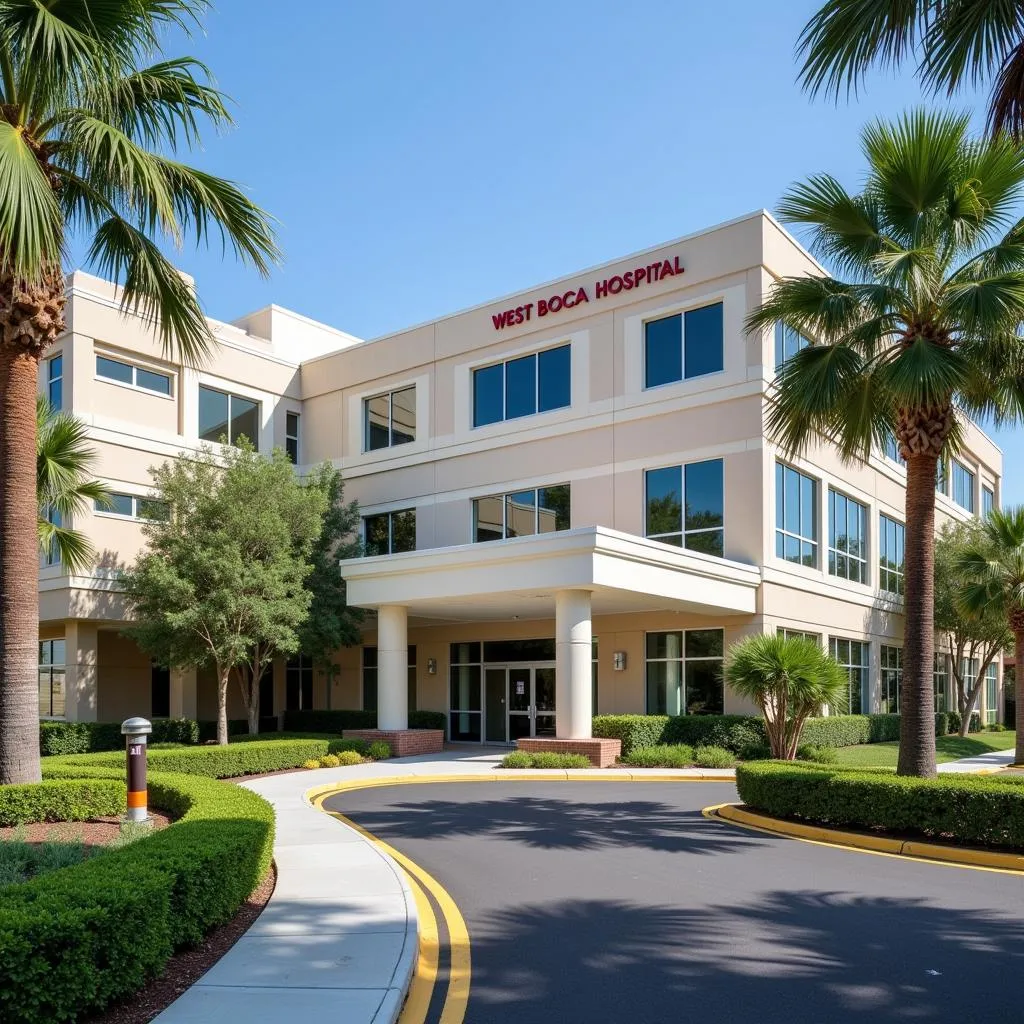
[131, 506]
[891, 449]
[853, 656]
[291, 436]
[389, 419]
[940, 680]
[370, 678]
[136, 376]
[942, 477]
[847, 538]
[159, 691]
[890, 555]
[988, 500]
[55, 381]
[390, 532]
[684, 672]
[51, 678]
[796, 516]
[223, 415]
[686, 506]
[464, 698]
[538, 382]
[51, 556]
[298, 684]
[787, 343]
[522, 513]
[991, 693]
[963, 486]
[683, 345]
[891, 678]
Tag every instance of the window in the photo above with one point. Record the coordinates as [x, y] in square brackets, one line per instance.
[853, 657]
[51, 678]
[991, 693]
[370, 678]
[136, 376]
[891, 667]
[963, 486]
[685, 505]
[940, 680]
[847, 538]
[796, 634]
[539, 382]
[684, 672]
[159, 692]
[55, 381]
[891, 449]
[787, 343]
[51, 556]
[683, 346]
[890, 555]
[942, 477]
[464, 699]
[298, 684]
[291, 436]
[223, 415]
[389, 420]
[988, 500]
[521, 513]
[133, 507]
[390, 532]
[796, 516]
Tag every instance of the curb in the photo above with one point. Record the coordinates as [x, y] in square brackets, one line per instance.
[952, 856]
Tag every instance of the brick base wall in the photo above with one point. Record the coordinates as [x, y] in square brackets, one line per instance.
[403, 742]
[602, 753]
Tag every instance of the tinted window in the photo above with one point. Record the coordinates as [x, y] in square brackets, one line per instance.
[375, 530]
[554, 377]
[213, 414]
[403, 531]
[403, 416]
[787, 343]
[489, 519]
[159, 382]
[378, 434]
[705, 501]
[55, 386]
[665, 502]
[244, 420]
[120, 505]
[703, 340]
[291, 440]
[663, 351]
[488, 395]
[553, 511]
[113, 370]
[521, 387]
[520, 514]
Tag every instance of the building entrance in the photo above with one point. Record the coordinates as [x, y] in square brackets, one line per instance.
[519, 701]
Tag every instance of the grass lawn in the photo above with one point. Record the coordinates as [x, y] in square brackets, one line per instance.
[947, 748]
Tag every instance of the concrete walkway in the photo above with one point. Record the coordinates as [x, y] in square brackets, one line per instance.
[992, 762]
[338, 939]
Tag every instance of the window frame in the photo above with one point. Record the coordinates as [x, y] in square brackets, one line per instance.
[683, 661]
[681, 314]
[991, 712]
[959, 473]
[231, 396]
[886, 574]
[390, 514]
[134, 384]
[988, 500]
[682, 533]
[504, 499]
[941, 689]
[894, 653]
[834, 554]
[849, 666]
[291, 440]
[781, 339]
[135, 517]
[534, 354]
[781, 532]
[55, 361]
[50, 667]
[389, 394]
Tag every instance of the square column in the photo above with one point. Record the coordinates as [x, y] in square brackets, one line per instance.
[81, 672]
[183, 693]
[392, 667]
[573, 637]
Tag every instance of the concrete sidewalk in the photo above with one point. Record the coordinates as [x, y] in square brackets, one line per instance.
[980, 763]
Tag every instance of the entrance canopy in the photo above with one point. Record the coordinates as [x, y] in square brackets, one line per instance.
[518, 578]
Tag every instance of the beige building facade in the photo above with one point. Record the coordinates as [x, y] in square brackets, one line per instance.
[570, 503]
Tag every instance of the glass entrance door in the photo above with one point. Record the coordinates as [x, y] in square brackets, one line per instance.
[531, 700]
[544, 701]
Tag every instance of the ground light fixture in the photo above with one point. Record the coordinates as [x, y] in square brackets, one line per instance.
[135, 732]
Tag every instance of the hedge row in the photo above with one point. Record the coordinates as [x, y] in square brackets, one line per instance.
[337, 721]
[71, 800]
[970, 810]
[74, 940]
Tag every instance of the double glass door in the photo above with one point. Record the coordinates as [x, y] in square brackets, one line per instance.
[520, 702]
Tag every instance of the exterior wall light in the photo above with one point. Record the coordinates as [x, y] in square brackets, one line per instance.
[619, 661]
[432, 666]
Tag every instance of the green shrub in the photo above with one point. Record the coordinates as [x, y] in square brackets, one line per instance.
[379, 750]
[311, 763]
[713, 757]
[517, 759]
[20, 860]
[677, 755]
[236, 727]
[428, 720]
[324, 721]
[967, 809]
[756, 752]
[996, 727]
[73, 941]
[346, 758]
[61, 800]
[820, 755]
[633, 730]
[329, 761]
[551, 759]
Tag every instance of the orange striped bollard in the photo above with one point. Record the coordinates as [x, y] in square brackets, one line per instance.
[135, 731]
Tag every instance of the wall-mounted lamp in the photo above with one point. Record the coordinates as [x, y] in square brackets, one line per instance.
[432, 666]
[619, 661]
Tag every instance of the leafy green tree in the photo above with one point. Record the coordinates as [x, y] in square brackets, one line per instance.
[91, 120]
[920, 327]
[64, 459]
[221, 582]
[952, 42]
[331, 623]
[789, 679]
[994, 570]
[972, 640]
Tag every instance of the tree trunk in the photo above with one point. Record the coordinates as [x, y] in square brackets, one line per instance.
[223, 675]
[19, 568]
[917, 701]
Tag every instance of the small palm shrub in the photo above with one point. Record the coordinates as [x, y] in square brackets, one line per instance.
[713, 757]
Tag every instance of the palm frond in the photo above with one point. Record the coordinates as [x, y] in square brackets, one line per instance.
[923, 375]
[986, 305]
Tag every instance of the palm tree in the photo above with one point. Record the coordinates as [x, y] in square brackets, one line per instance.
[995, 573]
[789, 679]
[967, 42]
[90, 122]
[63, 487]
[922, 328]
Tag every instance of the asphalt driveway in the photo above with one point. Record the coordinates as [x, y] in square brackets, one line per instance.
[594, 902]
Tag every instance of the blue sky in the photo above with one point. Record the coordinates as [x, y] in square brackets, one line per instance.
[421, 158]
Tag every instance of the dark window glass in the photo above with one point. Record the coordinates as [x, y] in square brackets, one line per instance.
[498, 651]
[554, 378]
[152, 509]
[119, 505]
[521, 514]
[664, 501]
[378, 433]
[963, 486]
[298, 690]
[245, 421]
[705, 504]
[291, 439]
[464, 654]
[160, 692]
[488, 395]
[988, 500]
[213, 415]
[464, 726]
[553, 511]
[465, 687]
[113, 369]
[151, 381]
[787, 343]
[704, 643]
[704, 344]
[376, 533]
[403, 531]
[55, 382]
[488, 519]
[665, 645]
[663, 351]
[704, 688]
[521, 387]
[403, 416]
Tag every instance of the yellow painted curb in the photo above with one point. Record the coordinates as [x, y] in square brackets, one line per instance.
[932, 853]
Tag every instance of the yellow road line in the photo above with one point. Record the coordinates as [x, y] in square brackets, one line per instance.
[421, 988]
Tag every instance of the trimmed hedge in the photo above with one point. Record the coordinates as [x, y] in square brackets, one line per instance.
[59, 738]
[544, 759]
[336, 722]
[61, 800]
[970, 810]
[74, 940]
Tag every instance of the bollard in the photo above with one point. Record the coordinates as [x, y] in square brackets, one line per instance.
[135, 731]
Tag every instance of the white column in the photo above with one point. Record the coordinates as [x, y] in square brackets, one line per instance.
[573, 695]
[183, 693]
[392, 667]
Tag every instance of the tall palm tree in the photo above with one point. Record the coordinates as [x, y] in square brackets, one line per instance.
[63, 487]
[953, 43]
[90, 120]
[995, 573]
[922, 327]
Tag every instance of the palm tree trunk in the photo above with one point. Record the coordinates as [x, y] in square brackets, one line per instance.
[19, 568]
[917, 701]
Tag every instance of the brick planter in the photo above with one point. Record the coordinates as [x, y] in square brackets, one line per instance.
[403, 742]
[602, 753]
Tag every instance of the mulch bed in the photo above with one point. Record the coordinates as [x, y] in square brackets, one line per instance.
[94, 833]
